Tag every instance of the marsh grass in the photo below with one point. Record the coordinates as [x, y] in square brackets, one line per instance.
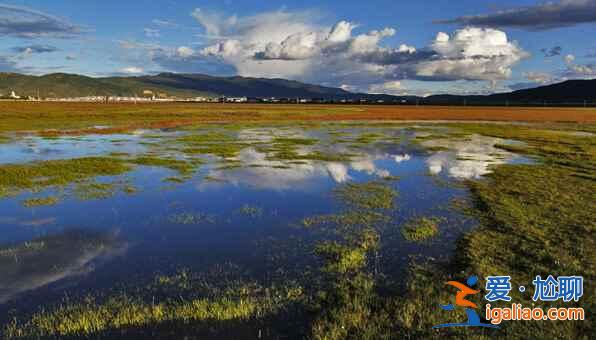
[94, 191]
[190, 218]
[251, 211]
[31, 246]
[421, 229]
[171, 304]
[59, 173]
[371, 195]
[181, 166]
[42, 201]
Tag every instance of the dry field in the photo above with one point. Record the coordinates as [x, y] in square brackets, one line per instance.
[19, 116]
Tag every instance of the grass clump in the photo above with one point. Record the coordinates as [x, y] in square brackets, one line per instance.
[294, 141]
[238, 305]
[174, 179]
[31, 246]
[371, 195]
[94, 191]
[38, 175]
[182, 167]
[122, 312]
[421, 229]
[251, 211]
[38, 202]
[188, 218]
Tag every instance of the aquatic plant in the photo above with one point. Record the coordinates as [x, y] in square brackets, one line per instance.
[121, 314]
[421, 229]
[94, 191]
[251, 211]
[38, 175]
[38, 202]
[188, 218]
[181, 166]
[371, 195]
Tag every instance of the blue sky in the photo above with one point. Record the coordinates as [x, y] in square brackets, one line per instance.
[398, 47]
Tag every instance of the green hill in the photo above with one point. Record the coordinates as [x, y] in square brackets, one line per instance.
[60, 85]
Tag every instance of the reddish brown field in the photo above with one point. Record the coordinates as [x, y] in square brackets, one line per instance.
[20, 116]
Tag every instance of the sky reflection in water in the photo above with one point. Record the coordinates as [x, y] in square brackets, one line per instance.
[145, 234]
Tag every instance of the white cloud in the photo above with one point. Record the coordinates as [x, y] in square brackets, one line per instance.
[578, 71]
[390, 87]
[570, 58]
[293, 45]
[472, 53]
[538, 77]
[132, 70]
[185, 52]
[151, 33]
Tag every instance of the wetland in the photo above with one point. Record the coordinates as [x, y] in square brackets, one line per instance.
[321, 230]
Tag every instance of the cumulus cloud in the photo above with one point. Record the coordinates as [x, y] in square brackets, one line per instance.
[176, 59]
[575, 70]
[472, 53]
[293, 45]
[544, 16]
[28, 23]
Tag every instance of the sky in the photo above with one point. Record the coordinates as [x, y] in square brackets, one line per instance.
[417, 47]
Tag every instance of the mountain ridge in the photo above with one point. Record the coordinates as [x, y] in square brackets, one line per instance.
[189, 85]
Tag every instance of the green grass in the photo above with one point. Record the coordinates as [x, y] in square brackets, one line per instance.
[371, 195]
[122, 313]
[198, 304]
[294, 141]
[421, 229]
[38, 202]
[182, 167]
[36, 176]
[94, 191]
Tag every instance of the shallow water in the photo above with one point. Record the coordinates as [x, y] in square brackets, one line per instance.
[245, 210]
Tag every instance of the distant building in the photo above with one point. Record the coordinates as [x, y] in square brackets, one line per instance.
[236, 99]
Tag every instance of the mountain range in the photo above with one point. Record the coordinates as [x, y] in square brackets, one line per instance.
[61, 85]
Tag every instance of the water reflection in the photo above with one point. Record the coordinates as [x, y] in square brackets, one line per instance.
[42, 261]
[292, 190]
[258, 169]
[469, 158]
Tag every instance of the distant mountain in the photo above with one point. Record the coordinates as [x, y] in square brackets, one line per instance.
[192, 85]
[170, 84]
[570, 91]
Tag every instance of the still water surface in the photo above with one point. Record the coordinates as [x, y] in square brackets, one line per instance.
[246, 215]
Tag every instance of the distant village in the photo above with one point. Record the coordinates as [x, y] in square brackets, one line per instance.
[150, 96]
